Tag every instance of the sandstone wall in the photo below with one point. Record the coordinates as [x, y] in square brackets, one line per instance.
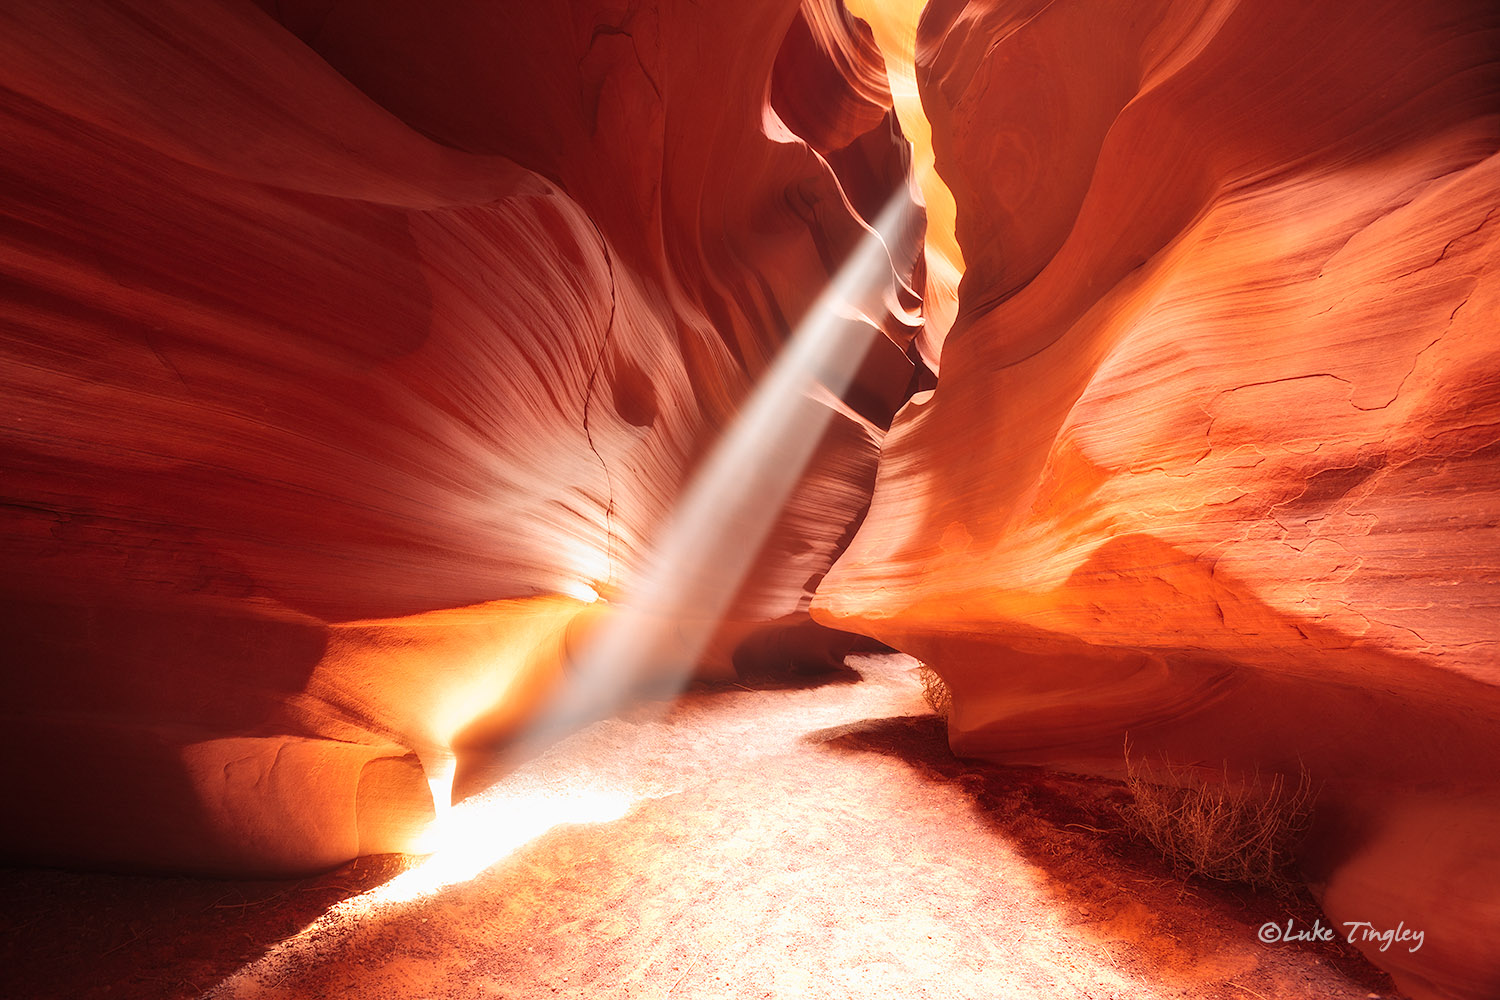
[1214, 459]
[343, 352]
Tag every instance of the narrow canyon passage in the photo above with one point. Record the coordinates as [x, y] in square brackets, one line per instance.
[804, 842]
[384, 387]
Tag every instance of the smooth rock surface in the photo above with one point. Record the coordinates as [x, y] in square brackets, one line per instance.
[1215, 456]
[342, 355]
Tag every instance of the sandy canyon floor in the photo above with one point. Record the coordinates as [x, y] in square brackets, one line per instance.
[778, 839]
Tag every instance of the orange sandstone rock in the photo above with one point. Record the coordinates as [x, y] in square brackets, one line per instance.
[332, 365]
[1215, 455]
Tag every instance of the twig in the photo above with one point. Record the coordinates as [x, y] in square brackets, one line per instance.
[684, 973]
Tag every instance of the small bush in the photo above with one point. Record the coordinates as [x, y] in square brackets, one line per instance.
[935, 691]
[1217, 827]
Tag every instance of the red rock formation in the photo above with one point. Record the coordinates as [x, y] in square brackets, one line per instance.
[893, 25]
[342, 343]
[1215, 457]
[331, 368]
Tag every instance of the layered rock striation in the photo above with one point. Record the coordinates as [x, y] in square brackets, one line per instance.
[348, 351]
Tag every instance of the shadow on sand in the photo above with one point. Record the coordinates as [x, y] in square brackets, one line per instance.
[1068, 826]
[97, 936]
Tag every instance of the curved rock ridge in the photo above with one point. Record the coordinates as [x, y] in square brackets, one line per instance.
[337, 373]
[1215, 459]
[829, 84]
[893, 25]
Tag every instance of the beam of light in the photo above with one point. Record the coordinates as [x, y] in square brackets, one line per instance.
[658, 630]
[473, 835]
[470, 838]
[660, 626]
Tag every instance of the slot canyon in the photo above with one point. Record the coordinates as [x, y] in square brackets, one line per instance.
[486, 487]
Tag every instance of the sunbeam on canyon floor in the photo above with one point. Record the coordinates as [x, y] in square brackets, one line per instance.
[657, 627]
[814, 842]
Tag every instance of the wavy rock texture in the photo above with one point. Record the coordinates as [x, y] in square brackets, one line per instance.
[893, 26]
[332, 365]
[1215, 458]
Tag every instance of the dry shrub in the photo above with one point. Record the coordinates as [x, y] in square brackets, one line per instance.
[1217, 827]
[935, 691]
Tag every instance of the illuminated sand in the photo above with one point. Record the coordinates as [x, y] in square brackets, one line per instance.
[805, 842]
